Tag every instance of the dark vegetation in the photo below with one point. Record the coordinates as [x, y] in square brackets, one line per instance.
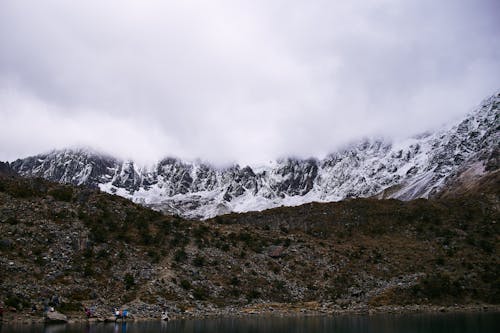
[89, 245]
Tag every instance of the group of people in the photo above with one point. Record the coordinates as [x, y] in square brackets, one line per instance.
[120, 313]
[90, 312]
[48, 304]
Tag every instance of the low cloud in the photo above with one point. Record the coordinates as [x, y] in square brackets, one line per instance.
[236, 80]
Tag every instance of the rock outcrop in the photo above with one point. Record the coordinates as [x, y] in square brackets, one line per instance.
[54, 317]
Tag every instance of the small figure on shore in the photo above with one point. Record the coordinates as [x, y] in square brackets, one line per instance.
[88, 312]
[164, 315]
[45, 305]
[55, 300]
[33, 308]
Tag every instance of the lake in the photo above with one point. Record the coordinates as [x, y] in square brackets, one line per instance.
[414, 323]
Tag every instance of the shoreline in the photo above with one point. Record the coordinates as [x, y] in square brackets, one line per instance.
[267, 310]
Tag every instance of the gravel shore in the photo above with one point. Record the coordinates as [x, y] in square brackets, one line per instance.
[265, 309]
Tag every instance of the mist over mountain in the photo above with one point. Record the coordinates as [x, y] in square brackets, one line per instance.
[233, 81]
[418, 167]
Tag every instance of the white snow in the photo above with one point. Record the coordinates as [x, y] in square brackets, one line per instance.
[419, 166]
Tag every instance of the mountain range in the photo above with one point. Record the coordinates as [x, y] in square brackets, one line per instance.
[418, 167]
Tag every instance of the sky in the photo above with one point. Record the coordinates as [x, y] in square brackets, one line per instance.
[238, 81]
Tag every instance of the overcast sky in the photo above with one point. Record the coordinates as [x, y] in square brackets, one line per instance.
[244, 81]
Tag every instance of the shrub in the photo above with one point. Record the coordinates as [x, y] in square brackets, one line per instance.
[199, 261]
[440, 261]
[98, 233]
[201, 231]
[62, 193]
[235, 281]
[12, 220]
[437, 286]
[88, 253]
[200, 293]
[71, 306]
[180, 255]
[155, 257]
[280, 285]
[245, 237]
[16, 302]
[185, 284]
[20, 191]
[486, 246]
[252, 294]
[146, 237]
[129, 281]
[88, 270]
[236, 292]
[102, 254]
[178, 239]
[5, 244]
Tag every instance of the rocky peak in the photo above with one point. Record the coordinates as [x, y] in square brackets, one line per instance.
[74, 166]
[416, 167]
[6, 170]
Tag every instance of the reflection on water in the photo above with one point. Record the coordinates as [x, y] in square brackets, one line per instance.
[420, 323]
[121, 327]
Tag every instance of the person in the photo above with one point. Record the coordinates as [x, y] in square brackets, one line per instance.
[164, 315]
[88, 313]
[125, 313]
[45, 305]
[55, 300]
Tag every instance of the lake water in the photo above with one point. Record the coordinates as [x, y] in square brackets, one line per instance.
[415, 323]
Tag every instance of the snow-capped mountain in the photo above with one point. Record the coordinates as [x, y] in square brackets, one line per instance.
[413, 168]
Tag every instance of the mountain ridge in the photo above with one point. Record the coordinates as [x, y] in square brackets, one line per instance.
[418, 167]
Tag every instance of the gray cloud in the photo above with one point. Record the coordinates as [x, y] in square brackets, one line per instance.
[241, 81]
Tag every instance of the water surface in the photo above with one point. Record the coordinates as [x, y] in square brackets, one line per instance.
[415, 323]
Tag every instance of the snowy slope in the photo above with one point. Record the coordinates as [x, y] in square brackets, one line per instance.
[413, 168]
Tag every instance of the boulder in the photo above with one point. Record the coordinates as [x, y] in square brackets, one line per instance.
[55, 317]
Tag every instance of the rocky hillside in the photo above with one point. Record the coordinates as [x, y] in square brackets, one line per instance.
[72, 246]
[415, 168]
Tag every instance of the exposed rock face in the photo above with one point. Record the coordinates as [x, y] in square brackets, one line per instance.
[78, 167]
[6, 170]
[414, 168]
